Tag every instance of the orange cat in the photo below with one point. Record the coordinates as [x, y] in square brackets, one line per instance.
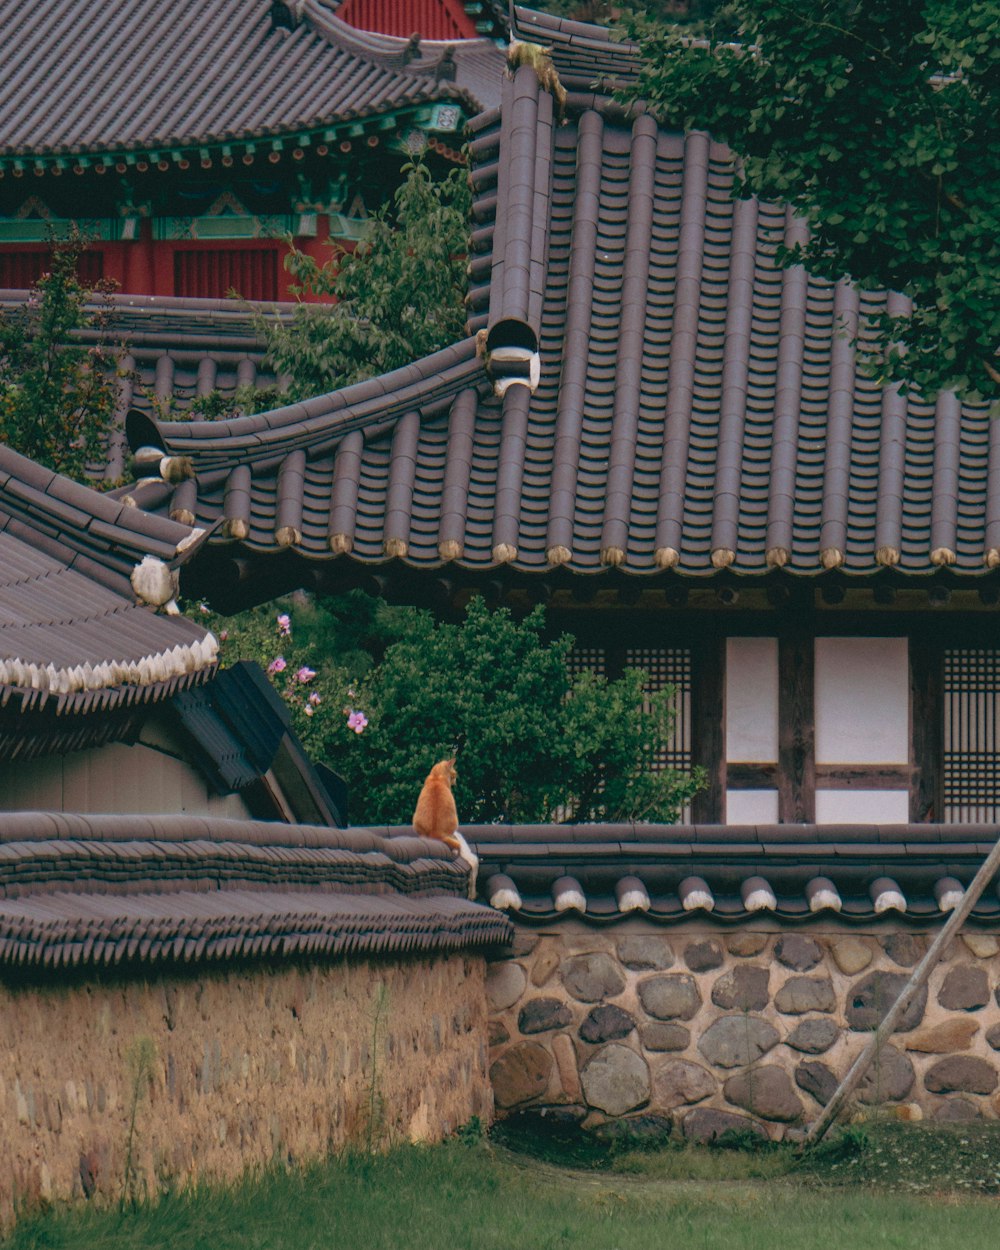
[436, 815]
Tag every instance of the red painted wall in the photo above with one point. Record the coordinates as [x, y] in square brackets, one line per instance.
[150, 267]
[431, 19]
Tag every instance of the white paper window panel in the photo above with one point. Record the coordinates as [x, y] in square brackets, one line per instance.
[752, 700]
[862, 807]
[862, 701]
[751, 807]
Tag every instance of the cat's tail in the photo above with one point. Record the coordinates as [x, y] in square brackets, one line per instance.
[465, 852]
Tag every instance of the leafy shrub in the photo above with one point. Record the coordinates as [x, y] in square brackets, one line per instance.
[381, 693]
[57, 397]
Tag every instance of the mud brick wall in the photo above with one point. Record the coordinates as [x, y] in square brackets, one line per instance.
[704, 1030]
[247, 1068]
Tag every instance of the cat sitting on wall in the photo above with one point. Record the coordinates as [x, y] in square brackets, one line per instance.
[437, 817]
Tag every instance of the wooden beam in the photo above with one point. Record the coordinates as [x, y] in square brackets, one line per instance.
[865, 776]
[751, 776]
[927, 728]
[708, 719]
[796, 730]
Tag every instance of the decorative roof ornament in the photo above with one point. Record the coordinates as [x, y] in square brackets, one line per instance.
[156, 584]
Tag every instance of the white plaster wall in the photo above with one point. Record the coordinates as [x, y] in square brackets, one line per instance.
[862, 701]
[752, 700]
[751, 807]
[862, 807]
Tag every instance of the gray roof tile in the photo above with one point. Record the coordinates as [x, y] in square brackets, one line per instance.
[112, 889]
[72, 633]
[699, 409]
[199, 73]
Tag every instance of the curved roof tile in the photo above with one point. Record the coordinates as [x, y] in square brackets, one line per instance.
[80, 77]
[71, 629]
[698, 408]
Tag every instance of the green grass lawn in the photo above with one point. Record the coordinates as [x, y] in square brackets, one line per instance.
[487, 1196]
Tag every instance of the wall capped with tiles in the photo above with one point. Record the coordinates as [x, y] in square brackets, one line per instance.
[702, 1030]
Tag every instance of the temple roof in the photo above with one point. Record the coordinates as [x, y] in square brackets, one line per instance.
[82, 890]
[793, 874]
[696, 408]
[93, 77]
[73, 635]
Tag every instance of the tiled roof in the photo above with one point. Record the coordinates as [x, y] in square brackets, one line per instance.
[697, 408]
[793, 873]
[80, 75]
[72, 635]
[79, 890]
[173, 351]
[584, 55]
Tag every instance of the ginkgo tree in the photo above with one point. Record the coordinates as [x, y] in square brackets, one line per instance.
[877, 120]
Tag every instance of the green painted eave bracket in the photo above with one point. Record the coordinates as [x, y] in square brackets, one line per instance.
[444, 117]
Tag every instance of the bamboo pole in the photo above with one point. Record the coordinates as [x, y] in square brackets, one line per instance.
[919, 978]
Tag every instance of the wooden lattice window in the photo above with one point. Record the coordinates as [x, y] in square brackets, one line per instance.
[971, 774]
[587, 660]
[207, 273]
[669, 666]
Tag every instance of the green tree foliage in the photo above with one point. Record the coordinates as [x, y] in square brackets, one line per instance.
[877, 121]
[400, 292]
[382, 693]
[57, 397]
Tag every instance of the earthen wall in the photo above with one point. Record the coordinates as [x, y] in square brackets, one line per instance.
[245, 1069]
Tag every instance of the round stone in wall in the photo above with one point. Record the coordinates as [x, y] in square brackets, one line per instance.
[735, 1041]
[706, 1124]
[869, 999]
[982, 945]
[905, 949]
[674, 996]
[745, 946]
[801, 994]
[660, 1036]
[538, 1015]
[817, 1080]
[889, 1079]
[797, 952]
[520, 1074]
[743, 988]
[993, 1036]
[591, 978]
[964, 1074]
[766, 1092]
[497, 1033]
[851, 955]
[813, 1037]
[965, 988]
[504, 985]
[615, 1079]
[703, 956]
[679, 1083]
[607, 1023]
[955, 1033]
[645, 952]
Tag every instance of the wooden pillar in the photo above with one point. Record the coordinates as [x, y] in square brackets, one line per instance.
[796, 729]
[926, 729]
[708, 721]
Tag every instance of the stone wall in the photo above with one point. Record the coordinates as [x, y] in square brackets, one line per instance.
[247, 1067]
[707, 1029]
